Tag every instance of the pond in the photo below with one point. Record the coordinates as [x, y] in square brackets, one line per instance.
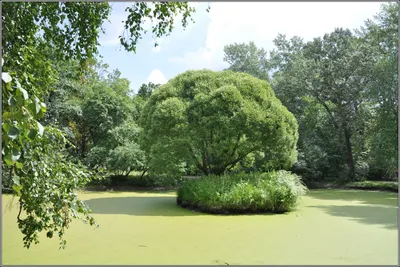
[328, 227]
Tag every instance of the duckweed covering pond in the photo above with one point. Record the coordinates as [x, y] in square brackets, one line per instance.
[328, 227]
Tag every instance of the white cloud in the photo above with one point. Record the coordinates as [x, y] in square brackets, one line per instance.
[261, 22]
[156, 77]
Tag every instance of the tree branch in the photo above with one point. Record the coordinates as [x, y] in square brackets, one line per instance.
[197, 161]
[233, 162]
[329, 112]
[236, 146]
[21, 204]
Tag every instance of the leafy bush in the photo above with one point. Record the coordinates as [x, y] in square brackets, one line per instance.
[276, 192]
[374, 185]
[155, 181]
[149, 181]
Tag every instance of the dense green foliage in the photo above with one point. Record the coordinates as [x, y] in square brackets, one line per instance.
[248, 59]
[342, 89]
[216, 120]
[382, 34]
[375, 185]
[333, 71]
[43, 177]
[137, 181]
[243, 193]
[145, 90]
[37, 159]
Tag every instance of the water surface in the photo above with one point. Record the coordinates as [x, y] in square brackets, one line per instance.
[328, 227]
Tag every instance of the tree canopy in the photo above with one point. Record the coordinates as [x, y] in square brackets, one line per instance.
[342, 88]
[247, 58]
[215, 120]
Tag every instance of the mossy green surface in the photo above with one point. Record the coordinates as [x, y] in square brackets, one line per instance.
[328, 227]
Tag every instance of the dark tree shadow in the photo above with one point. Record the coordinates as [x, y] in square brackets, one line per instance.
[153, 206]
[365, 197]
[382, 215]
[139, 206]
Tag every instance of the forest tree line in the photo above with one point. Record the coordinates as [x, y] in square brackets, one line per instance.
[341, 87]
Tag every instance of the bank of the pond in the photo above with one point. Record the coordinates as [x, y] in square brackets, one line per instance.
[384, 186]
[328, 227]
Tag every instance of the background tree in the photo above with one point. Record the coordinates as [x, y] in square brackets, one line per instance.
[146, 90]
[333, 70]
[99, 119]
[382, 34]
[247, 58]
[122, 154]
[216, 120]
[342, 88]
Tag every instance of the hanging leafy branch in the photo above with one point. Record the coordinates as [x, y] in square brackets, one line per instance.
[35, 37]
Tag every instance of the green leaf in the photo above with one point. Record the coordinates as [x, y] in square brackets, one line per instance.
[6, 126]
[8, 160]
[16, 154]
[12, 101]
[19, 165]
[43, 107]
[49, 234]
[8, 86]
[17, 189]
[37, 104]
[32, 134]
[6, 116]
[13, 133]
[16, 180]
[40, 128]
[22, 91]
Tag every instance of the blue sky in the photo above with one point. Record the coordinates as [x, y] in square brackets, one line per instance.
[201, 44]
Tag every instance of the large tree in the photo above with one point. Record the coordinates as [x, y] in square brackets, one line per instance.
[382, 34]
[333, 70]
[34, 37]
[215, 120]
[342, 88]
[247, 58]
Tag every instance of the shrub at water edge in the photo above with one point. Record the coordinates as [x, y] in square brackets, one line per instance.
[275, 192]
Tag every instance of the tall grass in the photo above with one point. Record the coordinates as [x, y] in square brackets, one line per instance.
[275, 192]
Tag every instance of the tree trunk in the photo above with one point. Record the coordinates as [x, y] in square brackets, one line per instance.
[127, 174]
[143, 173]
[83, 146]
[205, 168]
[350, 159]
[218, 170]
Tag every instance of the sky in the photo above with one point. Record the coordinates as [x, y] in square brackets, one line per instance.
[201, 44]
